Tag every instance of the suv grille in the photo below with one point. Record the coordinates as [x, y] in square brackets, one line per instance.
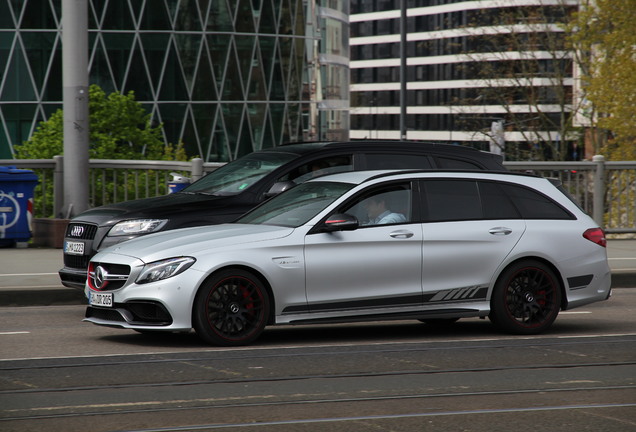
[81, 231]
[75, 261]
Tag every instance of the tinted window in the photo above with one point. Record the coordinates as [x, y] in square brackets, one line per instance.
[448, 163]
[451, 200]
[534, 205]
[495, 203]
[318, 167]
[397, 161]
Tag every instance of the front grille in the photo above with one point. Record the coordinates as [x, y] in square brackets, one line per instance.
[81, 231]
[105, 314]
[113, 276]
[137, 312]
[76, 261]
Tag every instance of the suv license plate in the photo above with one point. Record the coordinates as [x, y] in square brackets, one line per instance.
[74, 248]
[101, 299]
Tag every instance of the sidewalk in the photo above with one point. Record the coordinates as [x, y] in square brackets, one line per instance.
[28, 277]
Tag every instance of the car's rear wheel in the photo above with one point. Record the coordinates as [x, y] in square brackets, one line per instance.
[231, 308]
[526, 298]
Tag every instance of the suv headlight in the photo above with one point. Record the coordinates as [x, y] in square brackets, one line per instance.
[164, 269]
[137, 227]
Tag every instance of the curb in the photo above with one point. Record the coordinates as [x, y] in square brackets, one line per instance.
[42, 297]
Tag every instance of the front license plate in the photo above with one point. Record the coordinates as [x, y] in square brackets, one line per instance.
[74, 248]
[101, 299]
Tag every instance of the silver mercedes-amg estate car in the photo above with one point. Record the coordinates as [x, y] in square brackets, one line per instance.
[358, 246]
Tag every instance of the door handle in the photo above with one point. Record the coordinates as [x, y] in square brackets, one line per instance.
[500, 231]
[401, 234]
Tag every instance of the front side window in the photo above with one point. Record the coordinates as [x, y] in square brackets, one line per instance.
[382, 206]
[298, 205]
[241, 174]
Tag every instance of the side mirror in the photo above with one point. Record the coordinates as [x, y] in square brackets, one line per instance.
[340, 222]
[278, 188]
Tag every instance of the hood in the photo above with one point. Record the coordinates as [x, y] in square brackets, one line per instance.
[190, 241]
[163, 206]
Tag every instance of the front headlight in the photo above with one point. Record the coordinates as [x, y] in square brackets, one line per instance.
[137, 227]
[164, 269]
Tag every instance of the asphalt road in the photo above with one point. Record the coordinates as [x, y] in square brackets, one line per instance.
[57, 373]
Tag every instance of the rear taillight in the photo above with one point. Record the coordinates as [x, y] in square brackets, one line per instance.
[596, 235]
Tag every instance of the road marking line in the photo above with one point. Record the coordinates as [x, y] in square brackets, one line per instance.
[14, 333]
[26, 274]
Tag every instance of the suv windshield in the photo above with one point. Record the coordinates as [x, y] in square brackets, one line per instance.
[298, 205]
[239, 175]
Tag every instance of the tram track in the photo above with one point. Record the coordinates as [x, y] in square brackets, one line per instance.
[311, 385]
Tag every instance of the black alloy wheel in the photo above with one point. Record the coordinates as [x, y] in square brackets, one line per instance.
[526, 298]
[231, 309]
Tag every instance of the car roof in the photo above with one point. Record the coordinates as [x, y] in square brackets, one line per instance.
[302, 148]
[359, 177]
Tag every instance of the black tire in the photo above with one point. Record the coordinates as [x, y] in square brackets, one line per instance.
[526, 298]
[231, 308]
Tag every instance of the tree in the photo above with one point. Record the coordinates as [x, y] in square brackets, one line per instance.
[119, 126]
[522, 73]
[603, 37]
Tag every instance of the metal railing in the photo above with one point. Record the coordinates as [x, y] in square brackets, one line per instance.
[604, 189]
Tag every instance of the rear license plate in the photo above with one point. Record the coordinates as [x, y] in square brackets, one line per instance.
[74, 248]
[101, 299]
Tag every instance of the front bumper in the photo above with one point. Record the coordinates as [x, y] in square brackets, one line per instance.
[73, 278]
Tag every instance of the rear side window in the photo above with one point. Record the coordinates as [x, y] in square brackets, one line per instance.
[451, 200]
[457, 200]
[534, 205]
[496, 203]
[397, 161]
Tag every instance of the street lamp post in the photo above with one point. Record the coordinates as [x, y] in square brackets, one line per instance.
[75, 104]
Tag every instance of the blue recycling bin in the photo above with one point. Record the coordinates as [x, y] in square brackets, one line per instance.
[16, 204]
[177, 183]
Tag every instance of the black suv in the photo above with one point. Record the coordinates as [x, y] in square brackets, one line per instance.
[228, 192]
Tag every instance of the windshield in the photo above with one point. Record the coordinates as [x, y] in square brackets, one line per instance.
[298, 205]
[239, 175]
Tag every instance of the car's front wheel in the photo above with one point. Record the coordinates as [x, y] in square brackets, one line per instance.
[231, 308]
[526, 298]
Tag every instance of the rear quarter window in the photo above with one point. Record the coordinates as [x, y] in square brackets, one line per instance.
[534, 205]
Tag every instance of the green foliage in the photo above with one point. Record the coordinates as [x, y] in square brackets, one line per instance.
[119, 128]
[602, 33]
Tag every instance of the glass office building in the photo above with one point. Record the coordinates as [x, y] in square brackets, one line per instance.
[490, 74]
[224, 77]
